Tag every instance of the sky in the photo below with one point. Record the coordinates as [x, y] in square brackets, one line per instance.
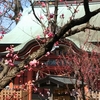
[5, 21]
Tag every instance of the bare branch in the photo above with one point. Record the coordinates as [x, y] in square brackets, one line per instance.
[81, 28]
[75, 22]
[32, 5]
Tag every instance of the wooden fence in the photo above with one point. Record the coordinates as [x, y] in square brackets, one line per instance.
[92, 96]
[8, 94]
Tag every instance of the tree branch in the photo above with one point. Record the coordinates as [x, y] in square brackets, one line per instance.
[81, 28]
[5, 69]
[75, 22]
[86, 7]
[7, 78]
[55, 15]
[32, 5]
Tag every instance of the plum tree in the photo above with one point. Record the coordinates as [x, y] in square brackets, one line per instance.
[51, 36]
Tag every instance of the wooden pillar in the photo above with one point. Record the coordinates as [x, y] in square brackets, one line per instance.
[29, 84]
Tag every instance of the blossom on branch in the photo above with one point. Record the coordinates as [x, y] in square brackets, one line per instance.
[33, 63]
[50, 35]
[43, 4]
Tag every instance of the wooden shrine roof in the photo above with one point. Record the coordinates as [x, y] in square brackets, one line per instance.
[56, 81]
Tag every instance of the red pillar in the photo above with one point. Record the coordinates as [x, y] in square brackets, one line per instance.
[29, 84]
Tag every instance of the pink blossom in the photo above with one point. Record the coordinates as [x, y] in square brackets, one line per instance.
[22, 71]
[50, 34]
[17, 19]
[10, 60]
[48, 93]
[6, 62]
[47, 54]
[11, 50]
[15, 56]
[42, 95]
[30, 69]
[19, 14]
[38, 37]
[42, 63]
[3, 32]
[33, 63]
[1, 37]
[7, 49]
[41, 17]
[26, 66]
[11, 64]
[18, 75]
[43, 40]
[56, 43]
[60, 0]
[46, 31]
[43, 4]
[7, 55]
[10, 54]
[35, 89]
[75, 2]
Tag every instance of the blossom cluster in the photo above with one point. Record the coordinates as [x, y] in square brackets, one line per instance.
[48, 33]
[10, 56]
